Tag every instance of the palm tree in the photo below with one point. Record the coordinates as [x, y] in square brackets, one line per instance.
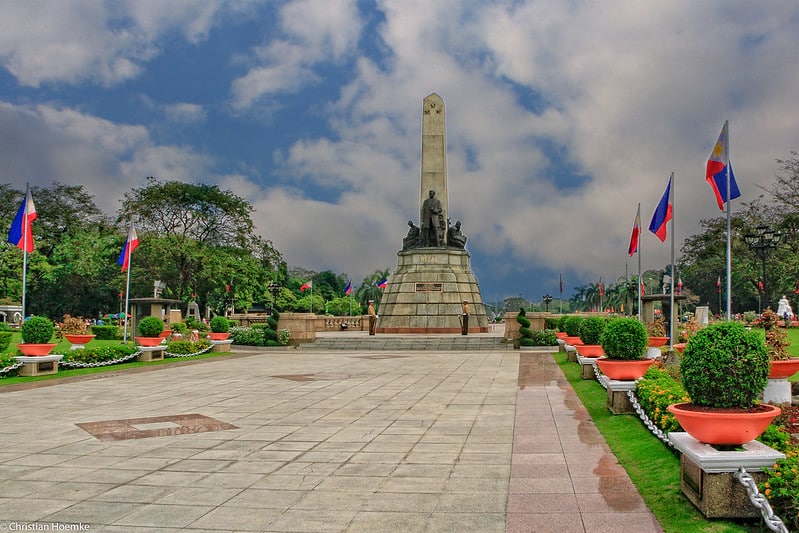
[369, 289]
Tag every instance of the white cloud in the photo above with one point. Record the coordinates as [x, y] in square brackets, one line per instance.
[185, 113]
[610, 97]
[105, 42]
[314, 32]
[43, 144]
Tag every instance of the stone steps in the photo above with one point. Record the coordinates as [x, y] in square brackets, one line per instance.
[408, 342]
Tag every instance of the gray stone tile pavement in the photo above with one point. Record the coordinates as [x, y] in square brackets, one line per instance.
[325, 441]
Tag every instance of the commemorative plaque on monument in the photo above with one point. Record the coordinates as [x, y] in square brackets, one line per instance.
[433, 289]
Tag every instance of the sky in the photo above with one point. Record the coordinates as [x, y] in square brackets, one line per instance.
[561, 118]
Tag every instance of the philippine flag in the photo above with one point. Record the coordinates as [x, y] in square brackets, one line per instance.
[717, 165]
[383, 284]
[662, 214]
[348, 288]
[634, 238]
[308, 285]
[21, 233]
[131, 244]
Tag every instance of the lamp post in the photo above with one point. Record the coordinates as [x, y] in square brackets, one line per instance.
[274, 288]
[547, 301]
[762, 242]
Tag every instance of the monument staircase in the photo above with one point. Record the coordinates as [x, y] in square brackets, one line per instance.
[399, 342]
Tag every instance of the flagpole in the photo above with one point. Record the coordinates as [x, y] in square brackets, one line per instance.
[25, 225]
[638, 218]
[729, 247]
[127, 284]
[671, 290]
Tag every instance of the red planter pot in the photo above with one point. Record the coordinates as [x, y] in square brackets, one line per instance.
[783, 369]
[35, 350]
[680, 346]
[560, 334]
[148, 341]
[726, 427]
[78, 338]
[623, 370]
[218, 336]
[657, 342]
[572, 341]
[590, 350]
[166, 333]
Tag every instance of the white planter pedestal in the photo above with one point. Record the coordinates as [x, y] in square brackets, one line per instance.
[39, 365]
[707, 475]
[777, 391]
[221, 346]
[151, 353]
[618, 401]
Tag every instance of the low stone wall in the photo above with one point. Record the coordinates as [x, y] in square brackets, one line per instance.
[335, 323]
[301, 325]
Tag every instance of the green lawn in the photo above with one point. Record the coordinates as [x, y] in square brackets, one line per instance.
[63, 346]
[652, 465]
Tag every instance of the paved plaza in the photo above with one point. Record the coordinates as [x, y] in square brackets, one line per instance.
[304, 440]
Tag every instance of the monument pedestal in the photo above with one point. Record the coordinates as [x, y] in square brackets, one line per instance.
[426, 294]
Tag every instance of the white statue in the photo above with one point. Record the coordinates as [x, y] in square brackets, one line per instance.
[784, 308]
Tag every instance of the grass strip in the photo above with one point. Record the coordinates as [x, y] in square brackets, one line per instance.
[73, 372]
[652, 465]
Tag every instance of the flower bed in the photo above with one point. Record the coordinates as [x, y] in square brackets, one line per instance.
[187, 348]
[656, 391]
[98, 356]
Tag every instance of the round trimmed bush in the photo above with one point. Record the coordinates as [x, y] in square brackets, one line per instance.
[220, 324]
[725, 365]
[37, 330]
[591, 329]
[624, 338]
[572, 325]
[562, 323]
[151, 326]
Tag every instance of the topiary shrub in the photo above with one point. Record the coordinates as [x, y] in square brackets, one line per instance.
[572, 325]
[220, 324]
[180, 327]
[151, 326]
[591, 329]
[562, 323]
[525, 334]
[624, 338]
[37, 330]
[544, 337]
[550, 323]
[725, 365]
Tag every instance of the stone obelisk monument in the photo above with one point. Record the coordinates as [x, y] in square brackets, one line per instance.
[433, 286]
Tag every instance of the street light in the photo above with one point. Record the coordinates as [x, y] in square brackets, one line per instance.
[275, 289]
[547, 300]
[762, 243]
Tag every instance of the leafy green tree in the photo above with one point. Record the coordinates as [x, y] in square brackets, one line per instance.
[344, 306]
[306, 303]
[200, 212]
[199, 241]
